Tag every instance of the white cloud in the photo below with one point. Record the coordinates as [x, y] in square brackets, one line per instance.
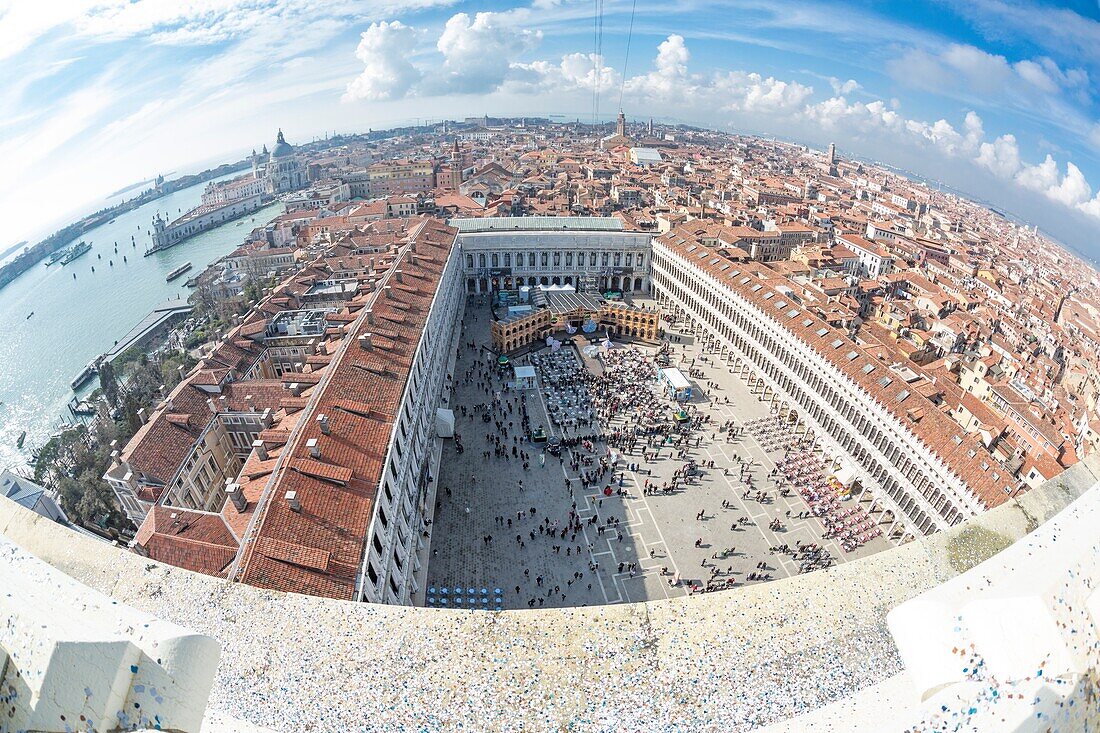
[1002, 156]
[576, 71]
[1071, 189]
[1092, 206]
[669, 79]
[964, 68]
[387, 73]
[844, 87]
[750, 92]
[478, 52]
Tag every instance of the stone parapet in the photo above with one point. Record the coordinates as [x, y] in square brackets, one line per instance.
[810, 651]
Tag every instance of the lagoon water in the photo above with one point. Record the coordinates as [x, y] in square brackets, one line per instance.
[75, 320]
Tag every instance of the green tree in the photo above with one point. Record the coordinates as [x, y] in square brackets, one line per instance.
[108, 382]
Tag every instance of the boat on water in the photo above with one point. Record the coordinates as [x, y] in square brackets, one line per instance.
[22, 439]
[87, 373]
[178, 271]
[29, 315]
[57, 255]
[75, 251]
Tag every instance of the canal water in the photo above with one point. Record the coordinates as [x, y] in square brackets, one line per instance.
[76, 320]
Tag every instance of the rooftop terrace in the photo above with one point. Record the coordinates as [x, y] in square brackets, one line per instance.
[991, 625]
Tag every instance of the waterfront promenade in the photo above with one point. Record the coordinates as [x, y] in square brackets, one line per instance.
[77, 319]
[157, 318]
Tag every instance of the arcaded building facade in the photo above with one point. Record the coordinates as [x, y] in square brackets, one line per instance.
[595, 254]
[868, 416]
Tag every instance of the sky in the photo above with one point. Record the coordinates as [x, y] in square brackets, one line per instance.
[996, 98]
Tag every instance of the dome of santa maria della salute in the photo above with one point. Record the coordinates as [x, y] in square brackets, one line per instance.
[282, 148]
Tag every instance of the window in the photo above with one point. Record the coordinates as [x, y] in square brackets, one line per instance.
[592, 259]
[629, 259]
[377, 544]
[481, 260]
[469, 261]
[568, 259]
[868, 368]
[530, 259]
[544, 259]
[557, 259]
[372, 574]
[496, 260]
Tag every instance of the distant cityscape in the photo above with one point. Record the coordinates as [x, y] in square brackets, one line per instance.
[933, 357]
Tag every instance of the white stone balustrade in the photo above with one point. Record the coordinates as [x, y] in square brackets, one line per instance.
[820, 652]
[73, 659]
[1010, 642]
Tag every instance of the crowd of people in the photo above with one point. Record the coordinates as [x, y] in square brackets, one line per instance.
[618, 435]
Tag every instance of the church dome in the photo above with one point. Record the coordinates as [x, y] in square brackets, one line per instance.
[282, 148]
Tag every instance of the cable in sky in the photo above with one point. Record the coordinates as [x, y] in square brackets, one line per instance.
[626, 57]
[596, 61]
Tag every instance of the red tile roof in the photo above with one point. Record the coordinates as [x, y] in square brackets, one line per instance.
[319, 549]
[963, 455]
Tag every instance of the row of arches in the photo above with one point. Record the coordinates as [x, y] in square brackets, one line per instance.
[605, 283]
[915, 515]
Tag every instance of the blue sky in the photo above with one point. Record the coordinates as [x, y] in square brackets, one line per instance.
[996, 98]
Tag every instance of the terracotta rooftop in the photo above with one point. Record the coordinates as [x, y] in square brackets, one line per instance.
[318, 550]
[962, 454]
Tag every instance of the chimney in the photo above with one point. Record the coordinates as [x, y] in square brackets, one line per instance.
[233, 491]
[412, 258]
[292, 501]
[163, 390]
[322, 420]
[248, 401]
[171, 406]
[370, 317]
[296, 389]
[265, 417]
[260, 448]
[223, 403]
[182, 371]
[211, 405]
[143, 415]
[314, 449]
[387, 291]
[365, 342]
[397, 276]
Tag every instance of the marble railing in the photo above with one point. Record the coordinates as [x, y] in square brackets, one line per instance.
[991, 625]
